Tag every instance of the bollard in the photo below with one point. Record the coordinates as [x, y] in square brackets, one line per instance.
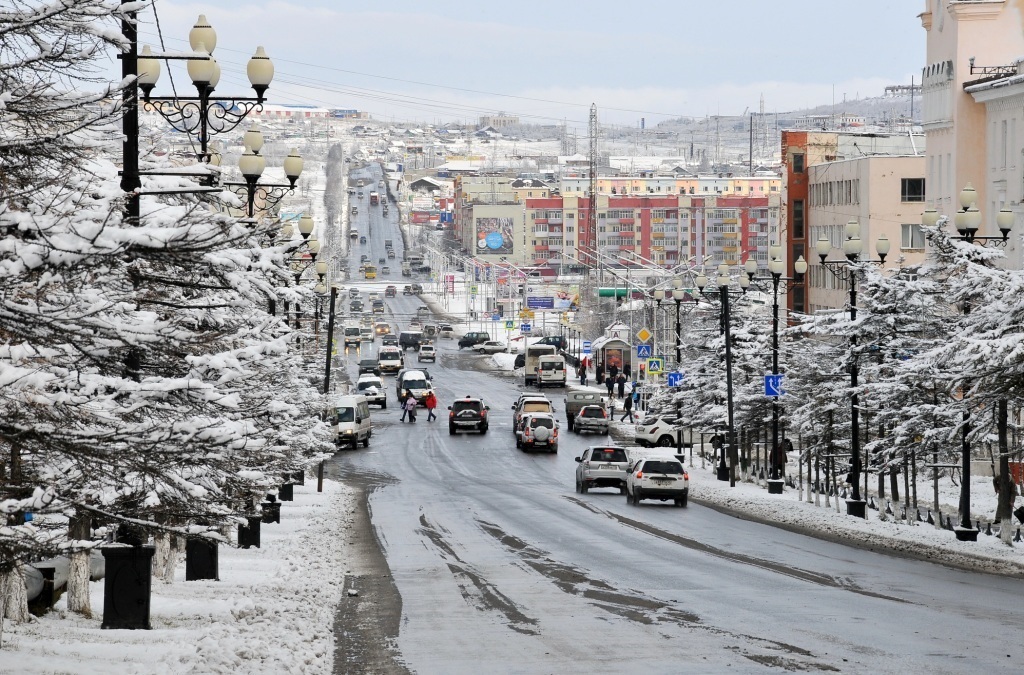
[201, 560]
[286, 493]
[1016, 537]
[320, 477]
[988, 529]
[949, 522]
[271, 512]
[126, 586]
[888, 508]
[931, 520]
[249, 535]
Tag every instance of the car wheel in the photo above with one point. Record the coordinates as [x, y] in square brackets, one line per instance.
[584, 488]
[605, 432]
[579, 486]
[483, 429]
[682, 502]
[519, 442]
[666, 441]
[553, 450]
[622, 489]
[451, 431]
[637, 496]
[571, 425]
[629, 497]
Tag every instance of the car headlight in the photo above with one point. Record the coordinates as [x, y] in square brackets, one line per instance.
[349, 432]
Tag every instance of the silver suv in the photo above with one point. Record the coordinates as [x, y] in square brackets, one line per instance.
[658, 477]
[538, 431]
[601, 466]
[591, 418]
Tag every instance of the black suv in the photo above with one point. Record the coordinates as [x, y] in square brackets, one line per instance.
[369, 366]
[559, 342]
[389, 340]
[408, 339]
[467, 413]
[355, 306]
[473, 339]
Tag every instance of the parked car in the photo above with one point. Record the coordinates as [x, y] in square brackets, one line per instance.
[390, 292]
[490, 347]
[369, 366]
[446, 331]
[591, 418]
[559, 342]
[473, 338]
[656, 474]
[372, 387]
[467, 414]
[659, 431]
[538, 431]
[602, 466]
[427, 353]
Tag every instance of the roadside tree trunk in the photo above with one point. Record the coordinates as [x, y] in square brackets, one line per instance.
[15, 596]
[78, 571]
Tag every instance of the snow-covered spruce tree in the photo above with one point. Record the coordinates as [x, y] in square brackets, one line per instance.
[141, 382]
[981, 359]
[752, 360]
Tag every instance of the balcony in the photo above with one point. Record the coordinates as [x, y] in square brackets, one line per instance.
[540, 221]
[627, 221]
[657, 235]
[554, 221]
[627, 233]
[540, 247]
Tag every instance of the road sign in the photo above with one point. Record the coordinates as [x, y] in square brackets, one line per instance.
[655, 366]
[586, 346]
[643, 335]
[472, 289]
[773, 385]
[526, 314]
[525, 328]
[509, 325]
[644, 351]
[495, 317]
[675, 379]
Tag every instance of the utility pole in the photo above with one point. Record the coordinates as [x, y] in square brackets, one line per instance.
[592, 206]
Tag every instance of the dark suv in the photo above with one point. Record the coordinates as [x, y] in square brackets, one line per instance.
[467, 413]
[473, 339]
[559, 342]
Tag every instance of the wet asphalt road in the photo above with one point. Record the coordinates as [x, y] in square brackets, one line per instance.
[494, 564]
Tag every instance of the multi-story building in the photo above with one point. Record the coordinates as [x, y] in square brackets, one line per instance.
[971, 100]
[884, 194]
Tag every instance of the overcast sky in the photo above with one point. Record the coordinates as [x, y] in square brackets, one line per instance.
[549, 60]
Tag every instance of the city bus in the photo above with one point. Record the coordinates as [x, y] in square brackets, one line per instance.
[370, 272]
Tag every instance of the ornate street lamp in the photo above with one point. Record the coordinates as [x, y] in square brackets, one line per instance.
[841, 269]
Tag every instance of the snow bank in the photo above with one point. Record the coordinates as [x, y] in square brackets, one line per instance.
[272, 611]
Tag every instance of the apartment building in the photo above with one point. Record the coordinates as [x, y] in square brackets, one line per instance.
[884, 194]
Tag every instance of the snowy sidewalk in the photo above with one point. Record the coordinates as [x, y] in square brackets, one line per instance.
[273, 610]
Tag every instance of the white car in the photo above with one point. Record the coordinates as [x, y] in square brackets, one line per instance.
[660, 431]
[657, 476]
[592, 418]
[602, 466]
[374, 296]
[538, 431]
[372, 388]
[490, 347]
[427, 353]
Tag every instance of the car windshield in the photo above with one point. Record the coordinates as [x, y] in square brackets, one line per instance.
[608, 455]
[368, 384]
[346, 414]
[536, 406]
[459, 406]
[414, 383]
[657, 466]
[593, 412]
[542, 422]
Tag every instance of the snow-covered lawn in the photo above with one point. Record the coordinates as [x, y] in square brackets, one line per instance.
[272, 611]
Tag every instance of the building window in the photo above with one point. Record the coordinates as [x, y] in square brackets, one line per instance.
[798, 163]
[912, 189]
[798, 219]
[913, 237]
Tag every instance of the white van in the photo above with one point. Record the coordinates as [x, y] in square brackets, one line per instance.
[551, 371]
[390, 359]
[351, 420]
[532, 356]
[352, 335]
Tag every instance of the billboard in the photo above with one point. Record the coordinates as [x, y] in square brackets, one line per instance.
[556, 297]
[494, 235]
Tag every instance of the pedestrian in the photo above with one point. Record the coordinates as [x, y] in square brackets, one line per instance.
[401, 404]
[621, 380]
[627, 409]
[410, 406]
[431, 403]
[613, 370]
[582, 372]
[610, 383]
[599, 374]
[626, 370]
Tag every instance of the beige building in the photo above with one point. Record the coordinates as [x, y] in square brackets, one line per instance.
[968, 100]
[884, 194]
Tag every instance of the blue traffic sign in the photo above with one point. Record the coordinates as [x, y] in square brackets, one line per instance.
[495, 317]
[525, 328]
[586, 346]
[773, 385]
[644, 351]
[675, 379]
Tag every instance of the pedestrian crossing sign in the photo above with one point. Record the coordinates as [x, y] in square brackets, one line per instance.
[656, 365]
[509, 325]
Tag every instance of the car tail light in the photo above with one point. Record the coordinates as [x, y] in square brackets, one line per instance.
[451, 414]
[639, 474]
[686, 476]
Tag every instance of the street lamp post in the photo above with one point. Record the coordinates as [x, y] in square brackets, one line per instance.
[967, 222]
[722, 282]
[677, 295]
[775, 270]
[841, 269]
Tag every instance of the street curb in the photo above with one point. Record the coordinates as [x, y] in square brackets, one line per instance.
[880, 544]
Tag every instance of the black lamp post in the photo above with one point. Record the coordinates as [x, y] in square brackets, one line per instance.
[775, 270]
[677, 295]
[841, 269]
[967, 222]
[723, 292]
[252, 164]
